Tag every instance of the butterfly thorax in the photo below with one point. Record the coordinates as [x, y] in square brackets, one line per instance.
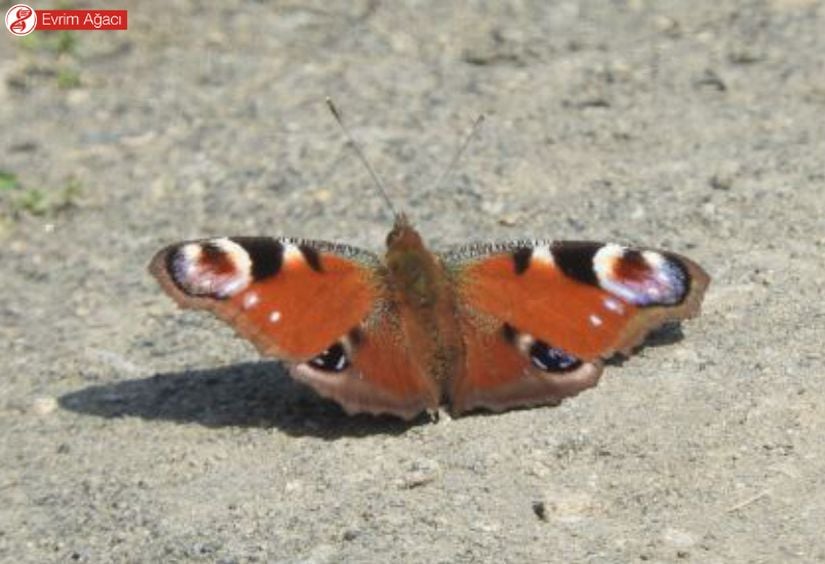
[426, 300]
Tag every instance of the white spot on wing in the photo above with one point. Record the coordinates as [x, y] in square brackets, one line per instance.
[190, 254]
[538, 363]
[655, 260]
[542, 254]
[524, 342]
[250, 300]
[604, 265]
[292, 253]
[595, 320]
[604, 261]
[275, 317]
[613, 305]
[342, 361]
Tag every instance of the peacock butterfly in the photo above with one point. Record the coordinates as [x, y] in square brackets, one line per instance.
[490, 326]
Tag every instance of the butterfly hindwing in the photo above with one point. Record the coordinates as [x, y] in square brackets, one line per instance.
[559, 308]
[321, 307]
[379, 374]
[504, 368]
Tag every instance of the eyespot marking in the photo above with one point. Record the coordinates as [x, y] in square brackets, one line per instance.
[333, 359]
[642, 278]
[218, 268]
[550, 359]
[595, 320]
[275, 316]
[541, 355]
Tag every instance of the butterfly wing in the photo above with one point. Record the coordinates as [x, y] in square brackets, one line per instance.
[539, 317]
[504, 368]
[323, 308]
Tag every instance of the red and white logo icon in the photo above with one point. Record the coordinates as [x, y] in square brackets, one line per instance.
[21, 19]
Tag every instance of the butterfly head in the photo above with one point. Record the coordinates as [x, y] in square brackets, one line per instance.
[403, 234]
[411, 266]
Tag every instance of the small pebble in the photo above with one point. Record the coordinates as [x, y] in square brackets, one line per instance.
[678, 539]
[43, 405]
[540, 510]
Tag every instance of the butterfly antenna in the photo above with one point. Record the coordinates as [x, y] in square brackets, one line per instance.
[450, 167]
[360, 153]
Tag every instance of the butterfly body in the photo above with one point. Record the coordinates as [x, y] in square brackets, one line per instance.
[482, 326]
[426, 305]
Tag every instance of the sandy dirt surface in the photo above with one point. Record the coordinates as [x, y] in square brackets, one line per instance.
[132, 431]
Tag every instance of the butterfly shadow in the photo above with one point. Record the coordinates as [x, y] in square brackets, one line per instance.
[255, 394]
[668, 334]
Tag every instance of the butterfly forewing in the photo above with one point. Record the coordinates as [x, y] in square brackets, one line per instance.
[587, 299]
[290, 298]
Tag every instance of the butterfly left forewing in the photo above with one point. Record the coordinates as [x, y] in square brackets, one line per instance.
[569, 305]
[290, 298]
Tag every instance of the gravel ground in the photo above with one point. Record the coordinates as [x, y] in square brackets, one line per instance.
[131, 431]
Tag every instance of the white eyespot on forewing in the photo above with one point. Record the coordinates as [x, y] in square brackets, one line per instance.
[640, 278]
[595, 320]
[275, 316]
[218, 268]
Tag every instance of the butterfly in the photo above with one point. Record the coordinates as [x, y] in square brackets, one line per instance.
[482, 326]
[492, 326]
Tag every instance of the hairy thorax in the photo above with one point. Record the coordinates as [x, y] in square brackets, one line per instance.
[424, 294]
